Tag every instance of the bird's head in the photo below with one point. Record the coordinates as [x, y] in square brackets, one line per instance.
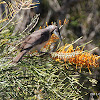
[54, 29]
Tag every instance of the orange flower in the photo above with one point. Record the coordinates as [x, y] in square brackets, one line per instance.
[77, 56]
[60, 22]
[51, 40]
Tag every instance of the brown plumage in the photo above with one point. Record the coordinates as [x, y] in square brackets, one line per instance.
[36, 40]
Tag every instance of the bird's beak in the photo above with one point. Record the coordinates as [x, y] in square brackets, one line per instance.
[58, 34]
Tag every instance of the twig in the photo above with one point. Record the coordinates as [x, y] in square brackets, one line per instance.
[34, 24]
[85, 44]
[10, 20]
[93, 49]
[37, 18]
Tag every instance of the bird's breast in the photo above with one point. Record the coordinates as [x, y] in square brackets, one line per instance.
[40, 46]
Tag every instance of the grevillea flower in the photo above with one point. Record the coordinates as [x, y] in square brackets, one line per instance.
[53, 38]
[76, 57]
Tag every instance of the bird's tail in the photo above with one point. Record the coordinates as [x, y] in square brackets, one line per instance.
[19, 56]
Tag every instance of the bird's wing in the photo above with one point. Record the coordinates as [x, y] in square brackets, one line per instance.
[37, 37]
[25, 42]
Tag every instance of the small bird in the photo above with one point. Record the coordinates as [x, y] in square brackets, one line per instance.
[37, 40]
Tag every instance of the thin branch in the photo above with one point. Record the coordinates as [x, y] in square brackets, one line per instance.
[10, 20]
[35, 24]
[37, 18]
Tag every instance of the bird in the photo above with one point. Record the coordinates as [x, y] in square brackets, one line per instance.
[37, 40]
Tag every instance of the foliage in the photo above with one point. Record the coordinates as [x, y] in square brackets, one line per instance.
[36, 77]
